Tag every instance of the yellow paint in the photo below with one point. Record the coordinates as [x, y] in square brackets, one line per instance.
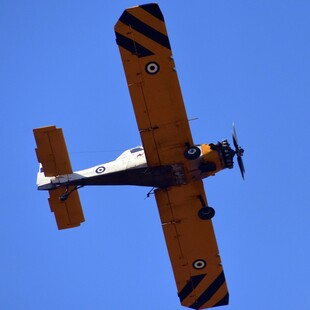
[211, 156]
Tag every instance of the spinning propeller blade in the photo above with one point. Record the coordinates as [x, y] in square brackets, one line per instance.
[239, 151]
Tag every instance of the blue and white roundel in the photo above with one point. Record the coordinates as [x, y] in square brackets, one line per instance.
[199, 264]
[100, 169]
[152, 67]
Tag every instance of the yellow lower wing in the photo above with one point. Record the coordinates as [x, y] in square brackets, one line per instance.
[192, 247]
[53, 155]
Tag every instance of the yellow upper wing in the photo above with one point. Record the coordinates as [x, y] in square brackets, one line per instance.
[192, 247]
[153, 84]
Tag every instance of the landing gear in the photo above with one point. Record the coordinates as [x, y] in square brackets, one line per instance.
[206, 212]
[67, 193]
[192, 152]
[65, 196]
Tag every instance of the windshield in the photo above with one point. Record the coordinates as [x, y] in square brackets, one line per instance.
[136, 149]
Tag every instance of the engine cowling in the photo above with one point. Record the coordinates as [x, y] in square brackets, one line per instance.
[216, 157]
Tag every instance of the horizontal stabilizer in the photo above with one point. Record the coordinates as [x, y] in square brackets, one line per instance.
[68, 213]
[53, 155]
[52, 151]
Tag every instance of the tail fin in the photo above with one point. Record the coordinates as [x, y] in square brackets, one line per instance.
[43, 182]
[54, 160]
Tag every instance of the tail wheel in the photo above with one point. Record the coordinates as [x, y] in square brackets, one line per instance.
[192, 153]
[206, 213]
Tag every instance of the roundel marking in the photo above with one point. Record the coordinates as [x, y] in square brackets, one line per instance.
[100, 169]
[152, 67]
[199, 264]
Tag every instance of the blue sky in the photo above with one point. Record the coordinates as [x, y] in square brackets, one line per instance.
[241, 61]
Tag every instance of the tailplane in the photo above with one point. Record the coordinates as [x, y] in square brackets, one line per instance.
[54, 160]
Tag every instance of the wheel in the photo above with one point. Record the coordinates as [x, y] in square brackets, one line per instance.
[192, 153]
[64, 197]
[206, 213]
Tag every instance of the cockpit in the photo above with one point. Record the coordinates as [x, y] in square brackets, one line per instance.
[129, 152]
[136, 149]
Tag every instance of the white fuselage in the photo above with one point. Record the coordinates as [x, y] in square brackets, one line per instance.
[129, 160]
[131, 168]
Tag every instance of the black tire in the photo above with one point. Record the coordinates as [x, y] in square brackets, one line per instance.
[63, 197]
[192, 153]
[206, 213]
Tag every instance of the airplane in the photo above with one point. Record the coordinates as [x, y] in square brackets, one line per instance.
[167, 161]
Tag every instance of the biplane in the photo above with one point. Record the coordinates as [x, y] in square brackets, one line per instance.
[168, 161]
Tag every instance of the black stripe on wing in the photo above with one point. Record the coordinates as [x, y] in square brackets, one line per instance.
[154, 10]
[190, 286]
[145, 29]
[224, 301]
[209, 292]
[132, 46]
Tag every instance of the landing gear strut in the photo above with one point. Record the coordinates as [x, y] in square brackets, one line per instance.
[67, 193]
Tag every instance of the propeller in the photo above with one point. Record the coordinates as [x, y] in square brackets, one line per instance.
[238, 151]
